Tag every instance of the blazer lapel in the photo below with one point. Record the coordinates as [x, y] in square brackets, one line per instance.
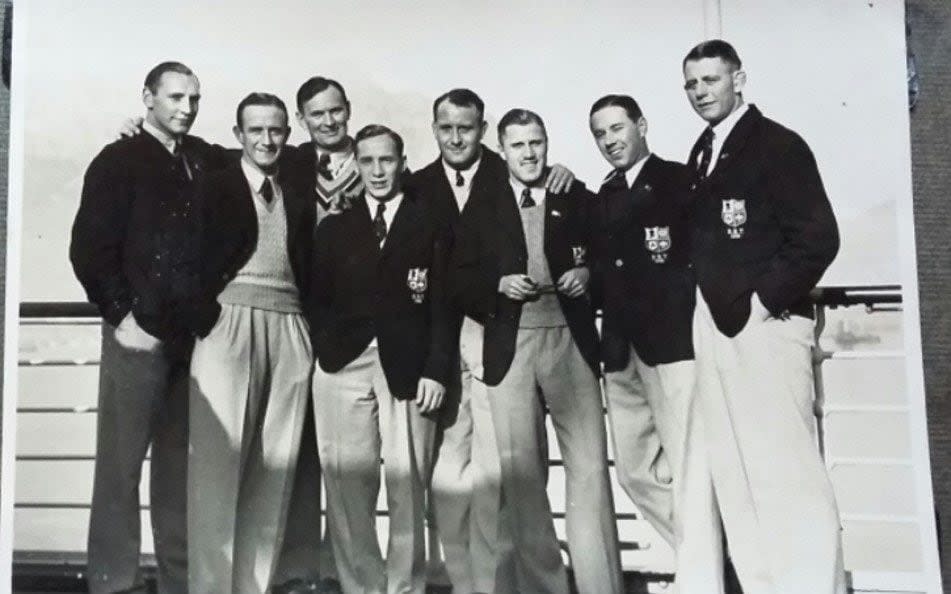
[510, 222]
[735, 142]
[405, 224]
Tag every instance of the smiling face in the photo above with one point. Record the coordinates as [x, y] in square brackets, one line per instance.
[622, 141]
[525, 149]
[173, 106]
[380, 163]
[713, 87]
[458, 131]
[263, 134]
[325, 117]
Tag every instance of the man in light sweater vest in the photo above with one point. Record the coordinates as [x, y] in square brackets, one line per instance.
[519, 264]
[250, 368]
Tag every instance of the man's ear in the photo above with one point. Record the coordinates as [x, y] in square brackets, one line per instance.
[642, 125]
[148, 98]
[238, 134]
[739, 81]
[300, 119]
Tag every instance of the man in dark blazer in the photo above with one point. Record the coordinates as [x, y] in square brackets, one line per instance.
[641, 243]
[383, 336]
[466, 472]
[763, 234]
[131, 245]
[520, 266]
[250, 369]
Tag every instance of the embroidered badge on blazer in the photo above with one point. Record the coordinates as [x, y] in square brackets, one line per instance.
[657, 241]
[417, 282]
[579, 254]
[733, 216]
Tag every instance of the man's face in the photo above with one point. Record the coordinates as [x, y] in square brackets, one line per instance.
[380, 165]
[525, 149]
[621, 140]
[263, 134]
[325, 117]
[458, 131]
[174, 104]
[713, 88]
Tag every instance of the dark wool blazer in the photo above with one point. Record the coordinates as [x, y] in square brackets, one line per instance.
[229, 236]
[761, 222]
[491, 244]
[135, 230]
[642, 249]
[395, 294]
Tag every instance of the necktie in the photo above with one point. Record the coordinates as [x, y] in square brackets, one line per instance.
[706, 152]
[616, 183]
[459, 179]
[267, 190]
[379, 223]
[323, 166]
[527, 200]
[183, 160]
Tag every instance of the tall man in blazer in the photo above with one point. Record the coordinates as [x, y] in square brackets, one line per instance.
[520, 265]
[763, 234]
[131, 245]
[383, 336]
[250, 369]
[466, 472]
[647, 288]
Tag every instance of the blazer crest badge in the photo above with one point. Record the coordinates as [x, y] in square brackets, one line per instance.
[417, 280]
[657, 241]
[579, 255]
[734, 217]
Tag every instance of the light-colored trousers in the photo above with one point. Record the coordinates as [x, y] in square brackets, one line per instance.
[755, 414]
[650, 408]
[466, 482]
[548, 369]
[358, 419]
[249, 386]
[143, 401]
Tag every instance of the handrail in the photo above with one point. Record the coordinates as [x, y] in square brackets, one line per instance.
[831, 296]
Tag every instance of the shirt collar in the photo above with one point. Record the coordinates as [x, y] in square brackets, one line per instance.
[538, 194]
[337, 158]
[254, 176]
[467, 174]
[391, 205]
[723, 129]
[634, 170]
[170, 143]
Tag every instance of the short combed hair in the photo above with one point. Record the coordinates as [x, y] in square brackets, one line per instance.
[714, 48]
[259, 99]
[317, 84]
[461, 98]
[520, 117]
[378, 130]
[625, 102]
[154, 77]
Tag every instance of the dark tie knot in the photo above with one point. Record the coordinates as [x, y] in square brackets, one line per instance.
[706, 153]
[527, 200]
[460, 181]
[323, 166]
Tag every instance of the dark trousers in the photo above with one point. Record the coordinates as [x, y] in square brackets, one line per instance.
[143, 401]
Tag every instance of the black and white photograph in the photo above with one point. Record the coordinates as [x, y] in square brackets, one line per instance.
[451, 297]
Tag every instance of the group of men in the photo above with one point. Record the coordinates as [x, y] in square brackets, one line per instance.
[433, 319]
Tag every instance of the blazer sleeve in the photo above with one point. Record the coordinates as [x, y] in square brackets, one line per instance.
[439, 358]
[321, 289]
[98, 235]
[203, 310]
[810, 235]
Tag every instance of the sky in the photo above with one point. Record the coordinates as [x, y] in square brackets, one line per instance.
[86, 62]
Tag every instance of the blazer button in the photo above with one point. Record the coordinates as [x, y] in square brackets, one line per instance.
[619, 262]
